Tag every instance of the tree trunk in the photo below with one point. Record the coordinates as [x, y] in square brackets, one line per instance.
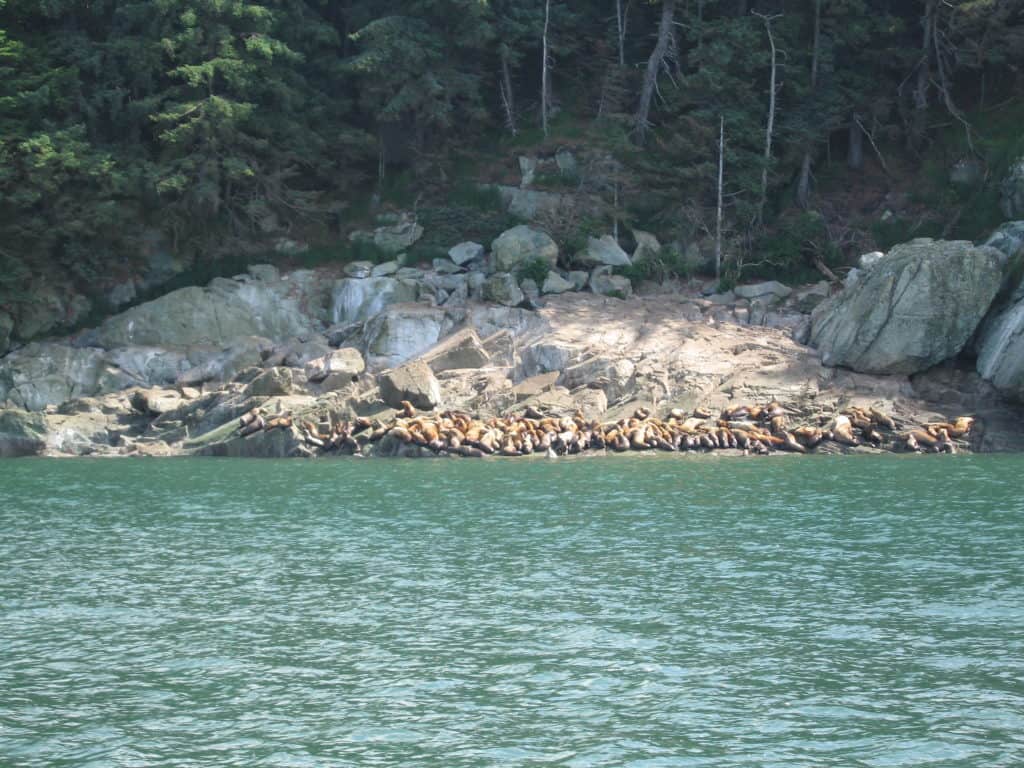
[718, 217]
[622, 22]
[654, 65]
[507, 97]
[545, 90]
[919, 123]
[770, 127]
[803, 187]
[855, 149]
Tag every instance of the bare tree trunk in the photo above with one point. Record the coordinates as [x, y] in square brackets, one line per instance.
[855, 148]
[718, 218]
[622, 22]
[770, 128]
[920, 120]
[654, 65]
[803, 187]
[507, 97]
[544, 74]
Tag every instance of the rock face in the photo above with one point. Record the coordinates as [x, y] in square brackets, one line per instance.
[529, 204]
[216, 315]
[1009, 239]
[414, 382]
[402, 332]
[915, 308]
[462, 349]
[1001, 348]
[603, 251]
[46, 373]
[522, 245]
[771, 290]
[555, 283]
[21, 434]
[356, 300]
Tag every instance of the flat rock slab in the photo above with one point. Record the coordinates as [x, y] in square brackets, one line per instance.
[463, 349]
[535, 385]
[414, 382]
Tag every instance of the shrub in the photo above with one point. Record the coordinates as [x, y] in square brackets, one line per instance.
[536, 270]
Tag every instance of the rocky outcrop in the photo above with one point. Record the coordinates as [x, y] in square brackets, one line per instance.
[522, 245]
[918, 306]
[402, 331]
[356, 300]
[21, 434]
[339, 365]
[217, 315]
[462, 350]
[1001, 347]
[413, 382]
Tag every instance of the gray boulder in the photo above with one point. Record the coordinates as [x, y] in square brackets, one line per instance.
[463, 253]
[555, 283]
[403, 331]
[502, 288]
[1001, 350]
[385, 269]
[917, 307]
[522, 245]
[772, 291]
[414, 382]
[392, 239]
[21, 434]
[462, 349]
[356, 300]
[343, 363]
[603, 251]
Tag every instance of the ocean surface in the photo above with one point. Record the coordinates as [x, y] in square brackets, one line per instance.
[638, 611]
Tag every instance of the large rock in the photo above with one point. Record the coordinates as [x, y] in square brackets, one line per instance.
[522, 245]
[1001, 347]
[217, 315]
[21, 434]
[772, 290]
[156, 402]
[47, 373]
[403, 331]
[555, 283]
[463, 253]
[341, 363]
[603, 251]
[462, 349]
[917, 307]
[356, 300]
[502, 288]
[414, 382]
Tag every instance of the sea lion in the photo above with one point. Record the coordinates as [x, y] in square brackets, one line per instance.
[882, 419]
[252, 427]
[842, 431]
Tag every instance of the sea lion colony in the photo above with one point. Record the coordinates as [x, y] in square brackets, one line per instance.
[751, 429]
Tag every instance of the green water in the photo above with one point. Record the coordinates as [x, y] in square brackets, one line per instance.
[628, 611]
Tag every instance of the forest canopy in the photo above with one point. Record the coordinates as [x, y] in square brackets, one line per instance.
[217, 122]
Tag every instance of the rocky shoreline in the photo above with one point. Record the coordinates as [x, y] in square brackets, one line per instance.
[311, 355]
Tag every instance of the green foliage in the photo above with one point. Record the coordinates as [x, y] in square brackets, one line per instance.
[536, 270]
[789, 250]
[669, 263]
